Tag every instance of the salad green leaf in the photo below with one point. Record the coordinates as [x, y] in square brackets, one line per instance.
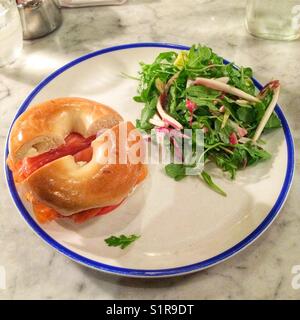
[146, 114]
[208, 180]
[175, 171]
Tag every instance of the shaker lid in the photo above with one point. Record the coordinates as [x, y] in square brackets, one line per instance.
[29, 2]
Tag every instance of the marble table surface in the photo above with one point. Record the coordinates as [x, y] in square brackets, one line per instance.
[263, 270]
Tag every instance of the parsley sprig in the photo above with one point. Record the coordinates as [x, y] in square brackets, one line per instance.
[122, 241]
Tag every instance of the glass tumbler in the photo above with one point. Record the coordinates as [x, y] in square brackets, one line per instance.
[273, 19]
[11, 36]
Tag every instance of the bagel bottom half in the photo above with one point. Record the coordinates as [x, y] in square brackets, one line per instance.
[44, 213]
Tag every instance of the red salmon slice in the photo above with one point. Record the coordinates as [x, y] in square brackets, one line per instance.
[75, 145]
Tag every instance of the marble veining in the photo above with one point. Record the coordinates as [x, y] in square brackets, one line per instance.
[263, 270]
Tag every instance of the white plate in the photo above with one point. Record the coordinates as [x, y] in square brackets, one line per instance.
[184, 226]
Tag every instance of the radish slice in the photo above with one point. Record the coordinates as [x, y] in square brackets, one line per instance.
[271, 85]
[156, 121]
[162, 130]
[191, 106]
[167, 118]
[177, 150]
[233, 138]
[267, 114]
[222, 109]
[239, 130]
[217, 85]
[205, 129]
[222, 79]
[242, 132]
[172, 124]
[172, 132]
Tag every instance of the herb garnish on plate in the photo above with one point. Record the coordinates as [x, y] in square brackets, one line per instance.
[122, 241]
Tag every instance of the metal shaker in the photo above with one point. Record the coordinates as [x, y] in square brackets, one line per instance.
[39, 17]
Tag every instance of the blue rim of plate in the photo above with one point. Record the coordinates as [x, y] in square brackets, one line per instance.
[155, 272]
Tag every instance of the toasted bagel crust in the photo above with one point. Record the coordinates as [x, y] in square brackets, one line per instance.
[69, 187]
[45, 125]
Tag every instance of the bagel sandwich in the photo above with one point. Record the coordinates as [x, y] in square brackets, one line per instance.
[65, 155]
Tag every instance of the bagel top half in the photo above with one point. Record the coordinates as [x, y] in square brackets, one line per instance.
[44, 126]
[63, 184]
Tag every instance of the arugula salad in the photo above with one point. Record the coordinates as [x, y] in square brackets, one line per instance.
[196, 89]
